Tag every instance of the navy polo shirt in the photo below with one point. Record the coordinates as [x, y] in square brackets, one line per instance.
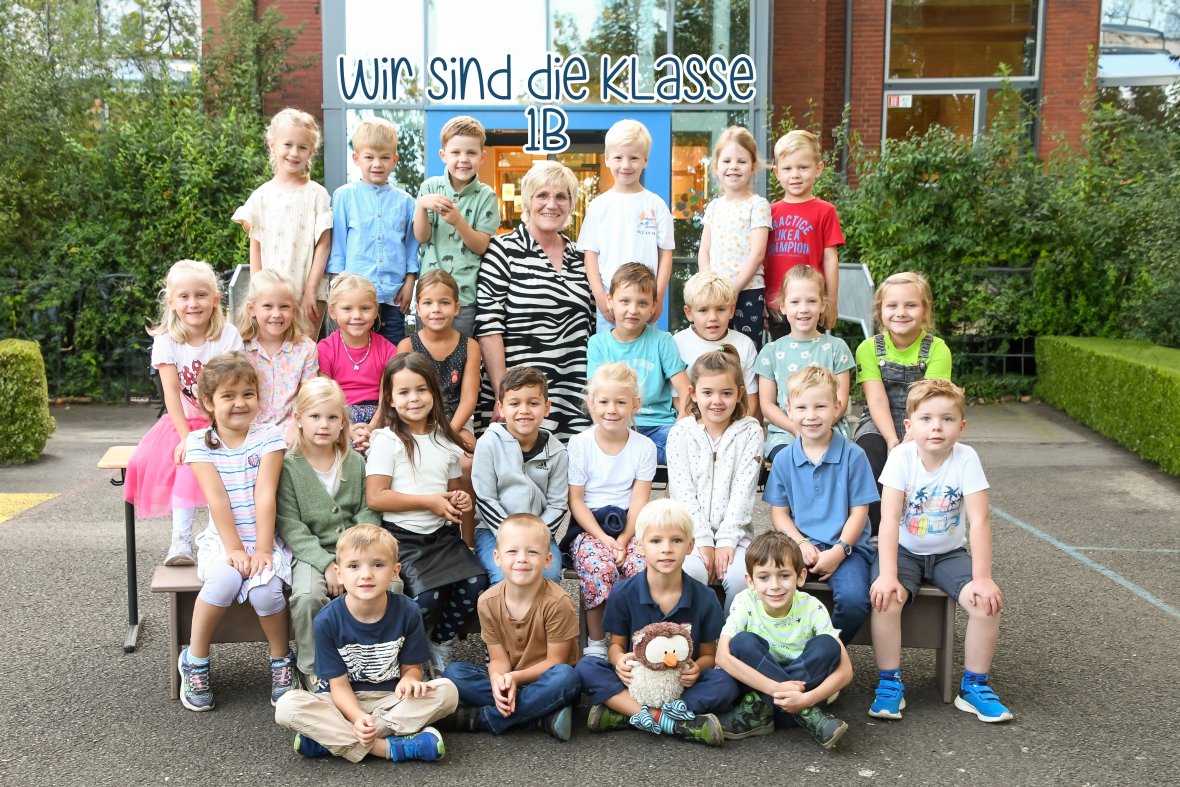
[820, 496]
[630, 607]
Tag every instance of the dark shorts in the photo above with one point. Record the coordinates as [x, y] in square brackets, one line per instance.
[948, 572]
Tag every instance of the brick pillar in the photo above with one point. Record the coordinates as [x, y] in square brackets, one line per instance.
[868, 69]
[799, 59]
[1067, 69]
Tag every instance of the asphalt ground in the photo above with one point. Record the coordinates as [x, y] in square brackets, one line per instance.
[1087, 543]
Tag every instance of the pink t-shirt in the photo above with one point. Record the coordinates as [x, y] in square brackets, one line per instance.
[360, 379]
[799, 233]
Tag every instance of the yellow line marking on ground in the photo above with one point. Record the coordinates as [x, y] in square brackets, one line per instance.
[12, 505]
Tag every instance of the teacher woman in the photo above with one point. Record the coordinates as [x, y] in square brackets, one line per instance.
[534, 302]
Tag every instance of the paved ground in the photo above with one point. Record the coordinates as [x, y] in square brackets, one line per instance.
[1087, 547]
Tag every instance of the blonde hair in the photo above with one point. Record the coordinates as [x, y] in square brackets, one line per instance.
[634, 274]
[708, 288]
[347, 282]
[740, 136]
[259, 283]
[628, 132]
[170, 324]
[800, 273]
[299, 119]
[811, 377]
[317, 392]
[463, 126]
[437, 276]
[931, 388]
[924, 291]
[617, 373]
[664, 512]
[534, 523]
[797, 140]
[547, 173]
[225, 368]
[724, 360]
[367, 538]
[375, 133]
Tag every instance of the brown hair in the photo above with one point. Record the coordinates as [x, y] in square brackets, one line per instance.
[740, 136]
[225, 368]
[634, 274]
[463, 126]
[811, 377]
[363, 538]
[522, 377]
[724, 360]
[774, 548]
[924, 291]
[929, 388]
[801, 273]
[437, 276]
[436, 422]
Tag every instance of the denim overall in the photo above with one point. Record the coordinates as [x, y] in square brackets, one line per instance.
[897, 379]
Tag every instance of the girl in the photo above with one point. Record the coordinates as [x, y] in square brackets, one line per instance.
[284, 357]
[611, 468]
[354, 354]
[736, 227]
[321, 494]
[714, 460]
[237, 463]
[456, 360]
[289, 218]
[803, 302]
[905, 352]
[413, 479]
[192, 330]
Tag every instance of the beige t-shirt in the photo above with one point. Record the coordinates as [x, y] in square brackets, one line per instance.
[287, 223]
[551, 619]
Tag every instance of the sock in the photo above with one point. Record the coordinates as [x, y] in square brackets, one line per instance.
[193, 660]
[605, 641]
[889, 674]
[182, 523]
[664, 721]
[973, 678]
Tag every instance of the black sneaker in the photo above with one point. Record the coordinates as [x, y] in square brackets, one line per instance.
[463, 719]
[704, 728]
[824, 727]
[751, 717]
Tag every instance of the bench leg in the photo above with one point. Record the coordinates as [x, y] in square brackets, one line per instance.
[944, 658]
[174, 643]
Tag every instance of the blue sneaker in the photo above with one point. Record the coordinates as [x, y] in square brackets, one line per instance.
[890, 700]
[195, 691]
[426, 746]
[978, 698]
[282, 677]
[309, 748]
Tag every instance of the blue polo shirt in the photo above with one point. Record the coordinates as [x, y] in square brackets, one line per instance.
[631, 607]
[373, 235]
[820, 496]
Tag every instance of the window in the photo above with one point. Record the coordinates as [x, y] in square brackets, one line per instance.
[955, 39]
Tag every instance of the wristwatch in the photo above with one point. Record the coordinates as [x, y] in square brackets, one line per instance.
[847, 549]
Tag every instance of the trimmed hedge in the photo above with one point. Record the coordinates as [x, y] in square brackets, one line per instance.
[1126, 390]
[25, 422]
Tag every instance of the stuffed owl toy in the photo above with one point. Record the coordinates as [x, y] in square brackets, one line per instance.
[662, 651]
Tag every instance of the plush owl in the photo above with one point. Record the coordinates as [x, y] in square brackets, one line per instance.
[661, 652]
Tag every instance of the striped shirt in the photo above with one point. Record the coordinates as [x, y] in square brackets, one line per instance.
[238, 468]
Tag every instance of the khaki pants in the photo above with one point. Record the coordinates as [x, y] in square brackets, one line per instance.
[317, 717]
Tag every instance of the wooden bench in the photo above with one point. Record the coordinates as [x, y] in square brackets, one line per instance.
[117, 457]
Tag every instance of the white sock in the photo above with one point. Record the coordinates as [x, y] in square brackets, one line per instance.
[182, 524]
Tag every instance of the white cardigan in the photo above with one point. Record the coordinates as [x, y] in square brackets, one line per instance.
[717, 488]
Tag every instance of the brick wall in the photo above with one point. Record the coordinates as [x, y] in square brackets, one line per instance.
[1071, 37]
[868, 68]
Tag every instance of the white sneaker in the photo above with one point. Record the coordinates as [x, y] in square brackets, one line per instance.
[180, 553]
[441, 655]
[597, 647]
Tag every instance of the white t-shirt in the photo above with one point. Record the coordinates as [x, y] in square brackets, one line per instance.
[189, 361]
[624, 228]
[932, 520]
[330, 478]
[691, 346]
[436, 462]
[606, 479]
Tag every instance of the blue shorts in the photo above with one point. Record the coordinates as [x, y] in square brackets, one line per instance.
[948, 572]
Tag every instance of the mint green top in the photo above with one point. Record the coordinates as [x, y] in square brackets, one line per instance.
[787, 636]
[445, 249]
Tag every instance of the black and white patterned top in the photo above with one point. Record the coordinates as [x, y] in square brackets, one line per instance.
[545, 318]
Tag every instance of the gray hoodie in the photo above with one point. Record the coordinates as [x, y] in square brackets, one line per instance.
[505, 485]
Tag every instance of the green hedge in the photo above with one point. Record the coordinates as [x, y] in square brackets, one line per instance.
[1127, 390]
[25, 422]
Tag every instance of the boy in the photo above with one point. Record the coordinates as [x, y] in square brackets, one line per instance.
[709, 304]
[663, 592]
[628, 223]
[468, 206]
[649, 351]
[805, 230]
[530, 627]
[929, 482]
[519, 468]
[372, 227]
[370, 647]
[819, 491]
[781, 643]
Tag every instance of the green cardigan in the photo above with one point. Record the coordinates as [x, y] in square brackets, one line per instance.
[309, 520]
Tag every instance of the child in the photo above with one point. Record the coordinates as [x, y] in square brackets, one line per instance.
[519, 468]
[737, 225]
[192, 331]
[819, 491]
[354, 355]
[663, 592]
[780, 642]
[373, 224]
[930, 482]
[802, 303]
[289, 218]
[628, 223]
[889, 363]
[370, 647]
[531, 630]
[714, 460]
[321, 493]
[413, 479]
[456, 360]
[805, 230]
[709, 303]
[611, 467]
[646, 349]
[468, 206]
[284, 357]
[239, 558]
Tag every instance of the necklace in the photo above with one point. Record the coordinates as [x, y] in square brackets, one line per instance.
[356, 365]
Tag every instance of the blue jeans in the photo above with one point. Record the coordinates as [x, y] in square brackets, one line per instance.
[850, 593]
[557, 687]
[392, 322]
[819, 659]
[714, 692]
[485, 545]
[659, 436]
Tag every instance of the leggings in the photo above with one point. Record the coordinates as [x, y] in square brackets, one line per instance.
[877, 452]
[223, 583]
[451, 606]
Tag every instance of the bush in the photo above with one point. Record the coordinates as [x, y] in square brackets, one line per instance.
[1137, 402]
[25, 422]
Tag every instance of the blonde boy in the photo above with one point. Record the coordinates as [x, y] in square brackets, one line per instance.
[628, 223]
[457, 215]
[805, 230]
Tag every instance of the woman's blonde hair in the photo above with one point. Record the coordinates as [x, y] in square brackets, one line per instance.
[547, 173]
[617, 373]
[259, 283]
[724, 360]
[924, 291]
[170, 324]
[347, 282]
[299, 119]
[316, 393]
[800, 273]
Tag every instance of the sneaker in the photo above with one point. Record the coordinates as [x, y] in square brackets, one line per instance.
[180, 553]
[441, 655]
[282, 677]
[603, 719]
[704, 728]
[597, 647]
[890, 700]
[978, 698]
[426, 746]
[559, 724]
[463, 719]
[824, 727]
[195, 692]
[752, 716]
[308, 748]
